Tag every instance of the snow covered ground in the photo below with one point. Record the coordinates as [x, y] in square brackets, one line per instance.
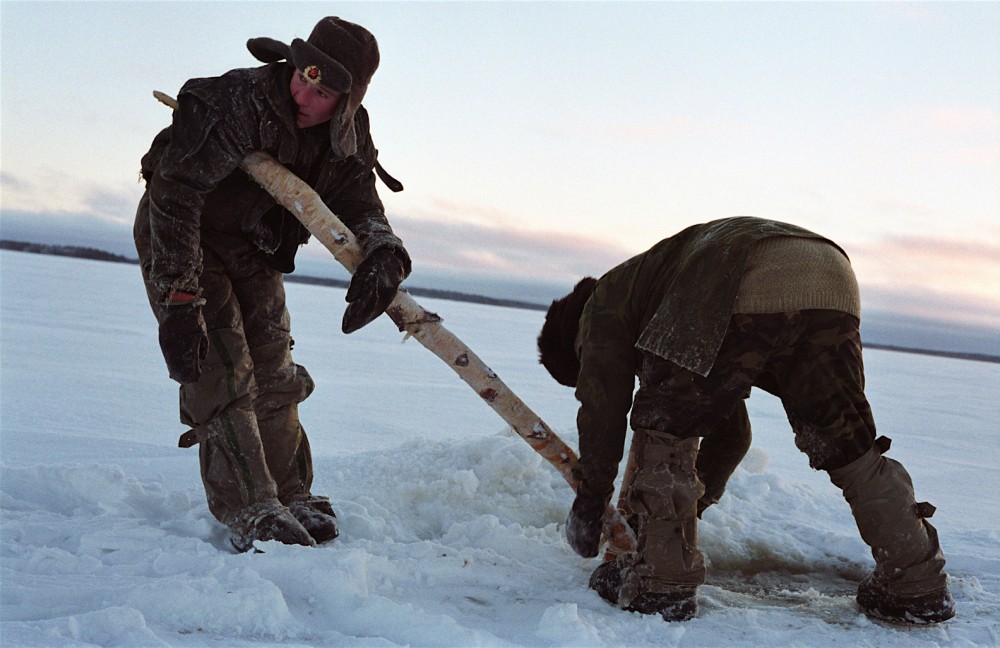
[451, 525]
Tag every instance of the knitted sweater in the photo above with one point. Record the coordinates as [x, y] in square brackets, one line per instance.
[675, 301]
[790, 273]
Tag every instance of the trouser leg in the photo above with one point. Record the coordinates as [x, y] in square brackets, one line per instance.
[721, 452]
[220, 408]
[233, 468]
[661, 503]
[818, 373]
[281, 384]
[821, 384]
[240, 489]
[673, 408]
[823, 392]
[678, 402]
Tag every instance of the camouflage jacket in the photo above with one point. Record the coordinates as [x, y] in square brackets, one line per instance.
[674, 300]
[200, 195]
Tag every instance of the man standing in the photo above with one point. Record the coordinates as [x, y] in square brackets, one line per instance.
[701, 318]
[213, 246]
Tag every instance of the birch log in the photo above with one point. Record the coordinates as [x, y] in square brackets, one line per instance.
[299, 198]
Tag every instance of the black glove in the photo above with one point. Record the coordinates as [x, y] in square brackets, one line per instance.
[583, 526]
[372, 288]
[183, 339]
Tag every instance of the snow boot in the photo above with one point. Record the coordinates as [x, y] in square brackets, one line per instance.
[876, 601]
[617, 583]
[661, 505]
[267, 520]
[315, 514]
[909, 583]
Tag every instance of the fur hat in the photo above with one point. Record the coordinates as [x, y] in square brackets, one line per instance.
[339, 55]
[557, 341]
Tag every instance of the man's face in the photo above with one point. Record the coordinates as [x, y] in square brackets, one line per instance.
[316, 103]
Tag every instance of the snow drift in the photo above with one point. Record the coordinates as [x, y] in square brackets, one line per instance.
[451, 525]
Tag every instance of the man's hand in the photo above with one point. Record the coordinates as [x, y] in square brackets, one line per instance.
[183, 336]
[372, 288]
[583, 526]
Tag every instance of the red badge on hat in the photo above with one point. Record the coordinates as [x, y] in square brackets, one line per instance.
[312, 74]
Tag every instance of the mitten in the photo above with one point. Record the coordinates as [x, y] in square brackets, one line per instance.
[583, 526]
[372, 288]
[183, 338]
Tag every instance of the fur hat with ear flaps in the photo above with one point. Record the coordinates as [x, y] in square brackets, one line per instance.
[339, 55]
[557, 341]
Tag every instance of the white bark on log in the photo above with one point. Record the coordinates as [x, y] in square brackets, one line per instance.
[301, 200]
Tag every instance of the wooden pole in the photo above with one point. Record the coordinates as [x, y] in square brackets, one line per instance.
[301, 200]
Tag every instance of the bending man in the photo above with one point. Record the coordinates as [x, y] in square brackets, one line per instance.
[701, 318]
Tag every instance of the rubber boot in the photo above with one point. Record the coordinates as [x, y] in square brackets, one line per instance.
[909, 583]
[663, 575]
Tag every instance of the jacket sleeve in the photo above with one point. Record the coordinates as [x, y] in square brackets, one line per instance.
[203, 150]
[356, 201]
[604, 389]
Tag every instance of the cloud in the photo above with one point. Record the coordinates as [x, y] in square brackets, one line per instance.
[56, 192]
[954, 279]
[10, 182]
[116, 206]
[957, 279]
[512, 250]
[68, 228]
[933, 304]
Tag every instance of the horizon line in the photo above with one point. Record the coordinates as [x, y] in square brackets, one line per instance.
[96, 254]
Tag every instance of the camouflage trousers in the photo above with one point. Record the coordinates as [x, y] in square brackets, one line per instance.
[243, 410]
[809, 359]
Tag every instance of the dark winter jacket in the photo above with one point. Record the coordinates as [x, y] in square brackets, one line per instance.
[199, 195]
[675, 301]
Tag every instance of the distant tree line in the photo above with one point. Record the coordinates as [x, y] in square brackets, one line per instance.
[100, 255]
[76, 251]
[450, 295]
